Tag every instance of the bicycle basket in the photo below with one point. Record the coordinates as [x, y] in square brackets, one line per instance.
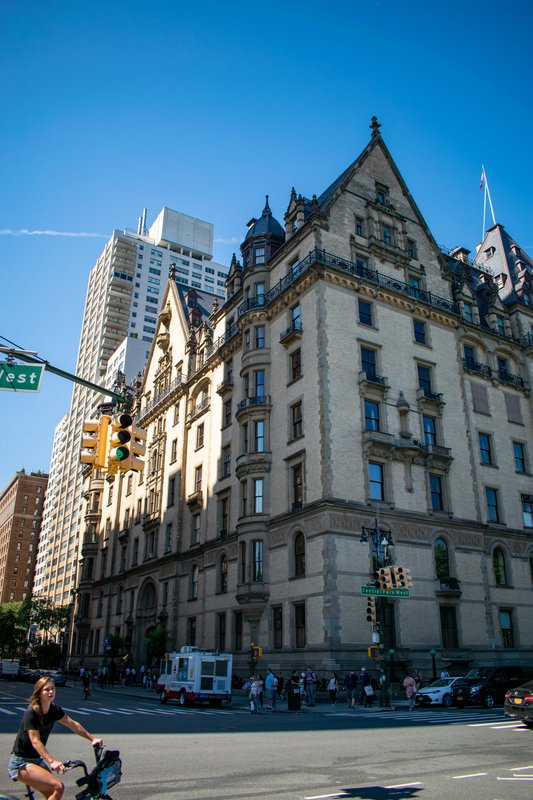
[106, 774]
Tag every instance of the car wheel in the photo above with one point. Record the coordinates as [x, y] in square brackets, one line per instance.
[447, 700]
[163, 697]
[182, 699]
[489, 701]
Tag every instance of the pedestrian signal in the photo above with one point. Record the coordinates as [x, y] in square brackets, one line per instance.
[374, 652]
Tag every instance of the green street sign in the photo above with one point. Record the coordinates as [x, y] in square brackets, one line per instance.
[21, 377]
[383, 593]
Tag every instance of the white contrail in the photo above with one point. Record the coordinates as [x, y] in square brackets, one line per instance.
[26, 232]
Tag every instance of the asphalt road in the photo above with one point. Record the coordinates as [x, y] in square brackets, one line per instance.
[207, 754]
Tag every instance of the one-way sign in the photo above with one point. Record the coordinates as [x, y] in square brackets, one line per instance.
[21, 377]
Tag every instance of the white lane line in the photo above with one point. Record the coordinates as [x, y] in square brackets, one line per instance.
[472, 775]
[494, 723]
[116, 711]
[326, 796]
[5, 711]
[517, 769]
[517, 778]
[403, 785]
[76, 711]
[101, 711]
[511, 728]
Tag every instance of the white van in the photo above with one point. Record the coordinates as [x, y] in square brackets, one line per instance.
[194, 675]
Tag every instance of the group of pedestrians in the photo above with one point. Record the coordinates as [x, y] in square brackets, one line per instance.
[360, 688]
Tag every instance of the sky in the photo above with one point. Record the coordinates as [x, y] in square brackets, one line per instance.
[111, 107]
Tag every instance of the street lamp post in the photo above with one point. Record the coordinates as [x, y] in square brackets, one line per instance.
[380, 539]
[433, 653]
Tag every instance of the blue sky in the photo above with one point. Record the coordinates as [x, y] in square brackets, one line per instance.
[110, 107]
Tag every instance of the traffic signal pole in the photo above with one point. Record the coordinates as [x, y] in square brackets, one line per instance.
[33, 358]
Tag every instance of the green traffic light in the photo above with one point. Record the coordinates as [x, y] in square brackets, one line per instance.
[121, 453]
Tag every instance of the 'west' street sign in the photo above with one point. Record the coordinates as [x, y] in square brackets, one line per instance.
[385, 593]
[21, 377]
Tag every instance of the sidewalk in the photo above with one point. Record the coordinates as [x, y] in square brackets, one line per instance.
[240, 700]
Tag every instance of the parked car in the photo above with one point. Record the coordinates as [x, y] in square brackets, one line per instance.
[519, 704]
[437, 693]
[60, 679]
[487, 686]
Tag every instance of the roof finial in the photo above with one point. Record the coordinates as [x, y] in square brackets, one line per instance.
[266, 210]
[374, 127]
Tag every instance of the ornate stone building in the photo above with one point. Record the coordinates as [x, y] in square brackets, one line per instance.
[356, 371]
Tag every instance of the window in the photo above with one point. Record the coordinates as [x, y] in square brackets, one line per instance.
[448, 626]
[296, 420]
[242, 562]
[500, 325]
[419, 329]
[506, 627]
[198, 479]
[226, 414]
[200, 436]
[436, 491]
[414, 286]
[359, 226]
[257, 564]
[260, 337]
[430, 430]
[224, 516]
[171, 490]
[365, 312]
[469, 356]
[295, 365]
[223, 575]
[244, 498]
[299, 625]
[226, 461]
[368, 362]
[387, 234]
[375, 480]
[468, 312]
[503, 371]
[299, 555]
[411, 248]
[297, 486]
[259, 436]
[259, 383]
[193, 583]
[493, 510]
[485, 448]
[191, 631]
[442, 559]
[173, 450]
[296, 318]
[519, 457]
[527, 510]
[277, 626]
[371, 415]
[424, 379]
[258, 495]
[195, 529]
[168, 538]
[498, 565]
[259, 255]
[382, 194]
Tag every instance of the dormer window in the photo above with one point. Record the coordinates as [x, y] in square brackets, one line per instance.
[259, 254]
[489, 252]
[382, 194]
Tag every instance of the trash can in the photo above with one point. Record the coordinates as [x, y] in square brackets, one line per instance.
[294, 698]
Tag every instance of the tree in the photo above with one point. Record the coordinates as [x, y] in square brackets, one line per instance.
[157, 638]
[14, 622]
[116, 644]
[49, 618]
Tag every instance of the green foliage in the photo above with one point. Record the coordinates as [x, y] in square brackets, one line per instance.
[47, 655]
[14, 621]
[157, 638]
[116, 644]
[49, 618]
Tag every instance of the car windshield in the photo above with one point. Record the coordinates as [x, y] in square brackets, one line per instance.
[440, 683]
[482, 672]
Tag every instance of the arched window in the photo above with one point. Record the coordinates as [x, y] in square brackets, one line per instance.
[223, 575]
[299, 555]
[193, 583]
[498, 563]
[442, 559]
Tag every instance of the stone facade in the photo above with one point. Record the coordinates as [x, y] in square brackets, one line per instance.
[353, 375]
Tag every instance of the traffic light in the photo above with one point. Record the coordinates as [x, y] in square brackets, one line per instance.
[371, 613]
[402, 577]
[383, 579]
[127, 444]
[373, 652]
[257, 651]
[94, 441]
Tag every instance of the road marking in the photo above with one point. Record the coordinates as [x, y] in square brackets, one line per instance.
[517, 769]
[494, 724]
[517, 778]
[403, 785]
[76, 711]
[5, 711]
[472, 775]
[101, 711]
[326, 796]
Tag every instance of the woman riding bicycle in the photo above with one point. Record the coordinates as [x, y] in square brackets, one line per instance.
[30, 761]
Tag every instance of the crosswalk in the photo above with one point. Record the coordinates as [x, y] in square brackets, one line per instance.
[470, 718]
[88, 709]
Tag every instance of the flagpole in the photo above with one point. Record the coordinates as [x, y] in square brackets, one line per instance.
[487, 194]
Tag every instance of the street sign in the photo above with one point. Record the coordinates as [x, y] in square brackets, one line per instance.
[385, 593]
[21, 377]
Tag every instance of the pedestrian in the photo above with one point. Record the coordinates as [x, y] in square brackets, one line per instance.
[127, 674]
[148, 679]
[281, 687]
[261, 689]
[350, 684]
[133, 676]
[409, 684]
[418, 679]
[310, 686]
[86, 684]
[31, 762]
[271, 685]
[333, 688]
[253, 694]
[444, 673]
[367, 690]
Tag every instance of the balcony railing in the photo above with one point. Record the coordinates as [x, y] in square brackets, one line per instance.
[294, 331]
[512, 380]
[474, 366]
[258, 400]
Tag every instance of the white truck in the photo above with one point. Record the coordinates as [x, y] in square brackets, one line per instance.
[9, 669]
[194, 675]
